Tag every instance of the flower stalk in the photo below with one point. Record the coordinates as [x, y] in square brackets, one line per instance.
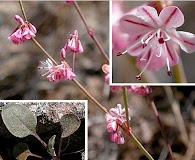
[126, 104]
[139, 145]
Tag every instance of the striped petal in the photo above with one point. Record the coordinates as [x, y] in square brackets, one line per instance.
[148, 14]
[171, 17]
[134, 26]
[186, 40]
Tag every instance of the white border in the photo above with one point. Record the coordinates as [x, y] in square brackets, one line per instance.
[110, 58]
[86, 115]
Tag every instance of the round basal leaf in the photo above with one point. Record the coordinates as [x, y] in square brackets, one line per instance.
[51, 144]
[70, 123]
[19, 148]
[19, 120]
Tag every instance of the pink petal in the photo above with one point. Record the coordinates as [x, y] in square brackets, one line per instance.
[186, 40]
[19, 19]
[172, 54]
[115, 88]
[114, 112]
[171, 17]
[137, 48]
[32, 28]
[148, 14]
[134, 26]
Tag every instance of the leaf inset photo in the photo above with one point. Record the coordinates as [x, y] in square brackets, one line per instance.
[30, 129]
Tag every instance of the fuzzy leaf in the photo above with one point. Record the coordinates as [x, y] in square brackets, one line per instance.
[51, 144]
[19, 148]
[19, 120]
[70, 123]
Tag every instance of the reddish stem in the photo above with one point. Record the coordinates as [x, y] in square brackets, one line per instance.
[90, 31]
[161, 127]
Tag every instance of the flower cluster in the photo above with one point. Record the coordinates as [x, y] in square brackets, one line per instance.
[73, 45]
[156, 37]
[115, 119]
[23, 32]
[140, 90]
[56, 73]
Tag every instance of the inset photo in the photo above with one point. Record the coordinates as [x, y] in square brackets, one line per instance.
[153, 42]
[43, 130]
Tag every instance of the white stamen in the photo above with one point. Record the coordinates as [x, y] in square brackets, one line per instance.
[150, 58]
[168, 66]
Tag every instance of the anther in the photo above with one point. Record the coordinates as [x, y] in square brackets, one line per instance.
[138, 77]
[161, 40]
[169, 73]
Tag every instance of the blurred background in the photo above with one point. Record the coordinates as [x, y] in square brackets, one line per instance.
[123, 70]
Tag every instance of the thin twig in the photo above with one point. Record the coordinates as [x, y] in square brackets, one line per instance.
[89, 95]
[42, 142]
[90, 31]
[43, 50]
[161, 127]
[126, 104]
[22, 9]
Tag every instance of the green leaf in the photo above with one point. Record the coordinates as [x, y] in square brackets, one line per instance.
[19, 120]
[19, 148]
[51, 144]
[70, 123]
[24, 155]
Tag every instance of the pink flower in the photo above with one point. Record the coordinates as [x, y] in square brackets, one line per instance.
[157, 37]
[117, 137]
[56, 73]
[140, 90]
[23, 32]
[74, 44]
[118, 112]
[114, 119]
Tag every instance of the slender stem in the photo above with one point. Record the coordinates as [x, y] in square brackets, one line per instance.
[179, 73]
[43, 50]
[60, 146]
[34, 155]
[89, 95]
[126, 104]
[139, 145]
[22, 9]
[37, 136]
[161, 126]
[90, 31]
